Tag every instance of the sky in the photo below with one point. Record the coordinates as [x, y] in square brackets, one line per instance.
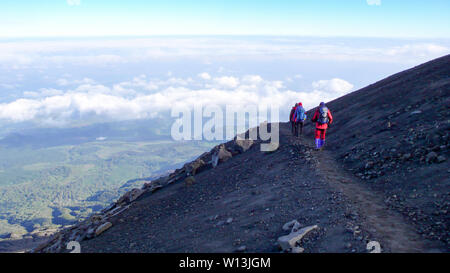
[355, 18]
[71, 62]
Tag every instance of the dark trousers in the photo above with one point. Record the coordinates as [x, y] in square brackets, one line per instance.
[298, 128]
[292, 127]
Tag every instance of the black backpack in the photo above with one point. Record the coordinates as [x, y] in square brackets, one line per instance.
[323, 115]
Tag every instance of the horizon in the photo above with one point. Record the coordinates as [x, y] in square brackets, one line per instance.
[356, 18]
[61, 81]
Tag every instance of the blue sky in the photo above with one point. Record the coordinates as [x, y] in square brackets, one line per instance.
[356, 18]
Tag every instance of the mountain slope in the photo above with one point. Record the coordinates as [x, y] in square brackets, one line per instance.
[383, 177]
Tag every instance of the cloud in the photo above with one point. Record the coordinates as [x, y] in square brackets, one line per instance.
[129, 100]
[65, 82]
[73, 2]
[373, 2]
[422, 50]
[114, 52]
[227, 82]
[204, 76]
[334, 86]
[252, 79]
[43, 92]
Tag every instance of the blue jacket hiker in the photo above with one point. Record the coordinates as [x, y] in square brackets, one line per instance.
[299, 118]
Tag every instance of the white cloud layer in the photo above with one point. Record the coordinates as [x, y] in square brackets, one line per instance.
[130, 100]
[109, 52]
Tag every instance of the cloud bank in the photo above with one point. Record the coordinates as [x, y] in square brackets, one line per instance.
[147, 98]
[107, 52]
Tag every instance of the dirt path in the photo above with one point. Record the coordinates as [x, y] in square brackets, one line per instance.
[394, 232]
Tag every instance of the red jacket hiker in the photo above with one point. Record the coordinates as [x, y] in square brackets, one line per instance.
[322, 122]
[319, 125]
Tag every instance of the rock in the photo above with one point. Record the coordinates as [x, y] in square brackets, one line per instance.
[431, 156]
[416, 112]
[103, 228]
[215, 160]
[189, 181]
[406, 156]
[95, 218]
[297, 250]
[222, 155]
[241, 249]
[176, 176]
[90, 233]
[242, 145]
[130, 196]
[155, 187]
[441, 159]
[288, 241]
[194, 167]
[229, 220]
[293, 225]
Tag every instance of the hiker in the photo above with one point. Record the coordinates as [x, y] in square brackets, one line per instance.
[323, 119]
[291, 118]
[299, 118]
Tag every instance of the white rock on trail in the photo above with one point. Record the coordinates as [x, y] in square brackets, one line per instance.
[289, 241]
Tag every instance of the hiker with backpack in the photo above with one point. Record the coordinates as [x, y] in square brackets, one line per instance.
[299, 119]
[291, 118]
[323, 119]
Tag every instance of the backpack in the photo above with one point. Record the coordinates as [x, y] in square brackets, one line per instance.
[292, 115]
[302, 114]
[323, 115]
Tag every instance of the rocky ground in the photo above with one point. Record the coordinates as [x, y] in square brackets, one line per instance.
[383, 177]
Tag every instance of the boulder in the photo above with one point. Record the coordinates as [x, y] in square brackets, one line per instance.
[289, 241]
[102, 228]
[242, 145]
[176, 176]
[194, 167]
[221, 155]
[130, 196]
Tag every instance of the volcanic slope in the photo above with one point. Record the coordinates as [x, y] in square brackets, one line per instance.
[383, 176]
